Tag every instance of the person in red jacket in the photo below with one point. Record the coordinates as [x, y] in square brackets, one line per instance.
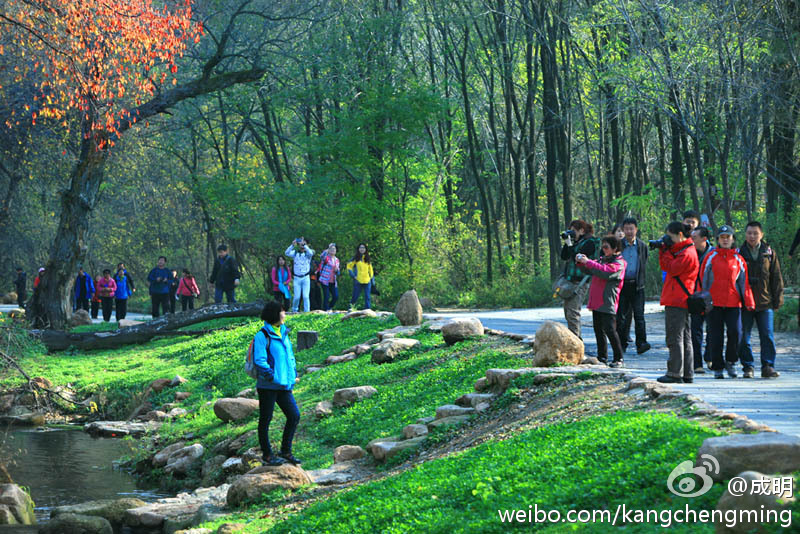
[725, 277]
[187, 290]
[106, 288]
[678, 258]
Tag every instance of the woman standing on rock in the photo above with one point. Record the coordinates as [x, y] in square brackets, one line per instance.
[360, 269]
[274, 358]
[281, 278]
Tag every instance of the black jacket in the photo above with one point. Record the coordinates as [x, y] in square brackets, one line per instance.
[21, 282]
[225, 273]
[641, 271]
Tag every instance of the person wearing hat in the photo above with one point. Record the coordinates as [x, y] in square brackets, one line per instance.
[21, 285]
[725, 278]
[766, 282]
[38, 279]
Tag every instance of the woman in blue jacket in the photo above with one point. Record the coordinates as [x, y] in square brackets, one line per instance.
[274, 357]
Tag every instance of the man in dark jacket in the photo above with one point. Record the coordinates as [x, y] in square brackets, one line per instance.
[766, 281]
[631, 299]
[159, 279]
[21, 286]
[84, 289]
[225, 276]
[700, 237]
[577, 240]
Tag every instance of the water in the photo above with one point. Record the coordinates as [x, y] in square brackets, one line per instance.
[68, 466]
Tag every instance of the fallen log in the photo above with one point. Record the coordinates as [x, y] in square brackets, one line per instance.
[167, 325]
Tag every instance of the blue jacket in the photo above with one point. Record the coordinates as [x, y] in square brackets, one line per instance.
[124, 286]
[159, 288]
[276, 368]
[89, 283]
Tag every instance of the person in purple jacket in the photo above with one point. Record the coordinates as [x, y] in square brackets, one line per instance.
[607, 279]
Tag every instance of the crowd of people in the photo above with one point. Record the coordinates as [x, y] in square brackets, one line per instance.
[724, 288]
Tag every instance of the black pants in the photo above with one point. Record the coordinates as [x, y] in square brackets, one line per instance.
[95, 309]
[21, 298]
[719, 320]
[82, 304]
[605, 326]
[161, 299]
[631, 307]
[108, 307]
[172, 301]
[280, 297]
[697, 321]
[315, 295]
[266, 405]
[187, 302]
[122, 308]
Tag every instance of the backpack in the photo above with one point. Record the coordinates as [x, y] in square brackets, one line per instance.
[249, 361]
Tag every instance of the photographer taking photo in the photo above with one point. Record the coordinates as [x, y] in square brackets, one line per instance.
[578, 239]
[678, 258]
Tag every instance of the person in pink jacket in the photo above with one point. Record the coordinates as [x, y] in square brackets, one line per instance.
[281, 278]
[187, 290]
[106, 288]
[607, 279]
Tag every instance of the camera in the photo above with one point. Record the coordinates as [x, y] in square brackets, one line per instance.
[663, 242]
[568, 233]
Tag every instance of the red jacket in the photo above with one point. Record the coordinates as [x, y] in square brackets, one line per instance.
[725, 277]
[106, 288]
[681, 261]
[187, 287]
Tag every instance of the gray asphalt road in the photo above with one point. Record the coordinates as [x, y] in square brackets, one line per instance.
[130, 315]
[773, 402]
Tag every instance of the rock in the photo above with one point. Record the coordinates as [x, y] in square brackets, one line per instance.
[555, 345]
[435, 326]
[760, 504]
[159, 384]
[234, 465]
[20, 416]
[16, 506]
[591, 360]
[339, 473]
[482, 407]
[230, 528]
[425, 420]
[381, 440]
[160, 458]
[77, 524]
[426, 303]
[409, 310]
[261, 480]
[314, 368]
[359, 313]
[172, 514]
[461, 328]
[452, 420]
[235, 409]
[232, 446]
[143, 408]
[323, 409]
[348, 396]
[384, 450]
[125, 323]
[766, 452]
[471, 400]
[118, 429]
[414, 431]
[80, 318]
[211, 472]
[195, 531]
[177, 381]
[450, 410]
[397, 331]
[6, 402]
[501, 378]
[306, 339]
[182, 395]
[176, 412]
[388, 350]
[184, 460]
[111, 509]
[345, 453]
[10, 298]
[331, 360]
[249, 393]
[363, 348]
[154, 415]
[481, 384]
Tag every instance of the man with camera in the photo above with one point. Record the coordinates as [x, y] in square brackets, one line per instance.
[631, 299]
[678, 258]
[302, 254]
[578, 239]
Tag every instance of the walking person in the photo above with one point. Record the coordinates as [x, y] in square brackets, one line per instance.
[360, 270]
[631, 301]
[678, 258]
[187, 290]
[578, 239]
[274, 358]
[107, 288]
[125, 289]
[225, 276]
[607, 279]
[95, 301]
[766, 283]
[725, 277]
[301, 255]
[84, 289]
[281, 278]
[21, 287]
[328, 277]
[159, 279]
[700, 236]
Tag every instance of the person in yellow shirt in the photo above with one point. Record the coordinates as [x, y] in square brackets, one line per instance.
[360, 270]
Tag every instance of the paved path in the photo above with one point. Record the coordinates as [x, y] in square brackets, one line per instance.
[132, 316]
[773, 402]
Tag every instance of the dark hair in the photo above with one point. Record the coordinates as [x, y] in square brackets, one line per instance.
[613, 242]
[277, 262]
[120, 264]
[754, 224]
[702, 231]
[186, 271]
[222, 247]
[358, 257]
[616, 227]
[165, 258]
[691, 214]
[106, 271]
[630, 220]
[271, 313]
[677, 227]
[587, 228]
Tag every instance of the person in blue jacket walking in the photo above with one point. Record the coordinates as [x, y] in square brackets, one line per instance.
[159, 279]
[277, 372]
[125, 289]
[84, 289]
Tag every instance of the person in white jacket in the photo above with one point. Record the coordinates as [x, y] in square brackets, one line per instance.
[301, 255]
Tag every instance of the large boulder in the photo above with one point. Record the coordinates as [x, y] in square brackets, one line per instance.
[388, 350]
[348, 396]
[161, 457]
[345, 453]
[77, 524]
[184, 460]
[409, 310]
[759, 498]
[16, 506]
[461, 329]
[766, 452]
[261, 480]
[235, 409]
[80, 318]
[306, 339]
[555, 345]
[111, 509]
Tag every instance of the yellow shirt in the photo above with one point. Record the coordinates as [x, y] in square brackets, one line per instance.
[363, 270]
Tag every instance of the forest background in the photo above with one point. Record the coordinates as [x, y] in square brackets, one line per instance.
[457, 138]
